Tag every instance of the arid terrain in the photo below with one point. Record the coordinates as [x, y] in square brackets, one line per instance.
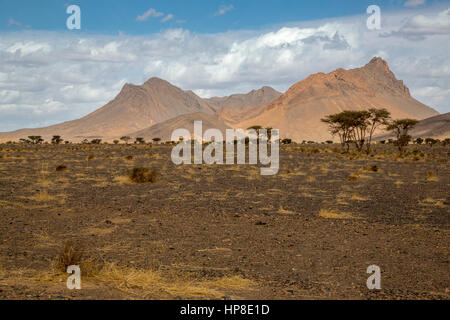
[224, 232]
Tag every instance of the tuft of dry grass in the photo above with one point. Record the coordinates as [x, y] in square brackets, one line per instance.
[329, 214]
[431, 177]
[356, 197]
[42, 196]
[284, 211]
[142, 175]
[432, 202]
[70, 255]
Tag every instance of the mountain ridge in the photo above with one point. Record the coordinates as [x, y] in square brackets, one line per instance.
[297, 112]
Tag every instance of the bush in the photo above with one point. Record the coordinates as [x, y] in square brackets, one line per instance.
[61, 168]
[142, 175]
[71, 255]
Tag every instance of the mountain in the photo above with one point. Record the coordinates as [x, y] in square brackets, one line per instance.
[133, 109]
[251, 99]
[297, 112]
[437, 127]
[157, 107]
[164, 129]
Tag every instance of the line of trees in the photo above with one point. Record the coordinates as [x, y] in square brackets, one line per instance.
[358, 127]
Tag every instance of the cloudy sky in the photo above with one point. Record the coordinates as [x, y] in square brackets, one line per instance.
[50, 74]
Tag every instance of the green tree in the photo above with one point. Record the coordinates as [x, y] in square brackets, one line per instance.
[125, 139]
[36, 139]
[431, 142]
[139, 140]
[401, 128]
[56, 140]
[378, 117]
[350, 126]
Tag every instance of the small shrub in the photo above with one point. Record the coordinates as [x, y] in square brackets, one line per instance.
[129, 157]
[61, 168]
[373, 168]
[142, 175]
[431, 177]
[71, 255]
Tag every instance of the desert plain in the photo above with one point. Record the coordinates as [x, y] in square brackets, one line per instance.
[224, 231]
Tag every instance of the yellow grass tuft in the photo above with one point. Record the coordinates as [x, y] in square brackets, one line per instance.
[356, 197]
[431, 177]
[284, 211]
[329, 214]
[42, 196]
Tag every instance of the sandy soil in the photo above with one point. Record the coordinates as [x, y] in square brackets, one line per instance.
[225, 232]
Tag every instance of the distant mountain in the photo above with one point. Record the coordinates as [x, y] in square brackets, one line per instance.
[164, 129]
[252, 99]
[297, 112]
[156, 108]
[437, 127]
[133, 109]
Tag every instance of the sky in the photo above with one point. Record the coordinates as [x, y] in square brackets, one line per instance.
[50, 74]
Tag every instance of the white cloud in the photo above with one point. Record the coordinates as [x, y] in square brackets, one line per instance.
[12, 22]
[167, 18]
[48, 77]
[414, 3]
[149, 13]
[420, 25]
[224, 9]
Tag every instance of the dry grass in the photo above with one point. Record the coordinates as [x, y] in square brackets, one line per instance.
[329, 214]
[285, 212]
[142, 175]
[356, 197]
[432, 202]
[149, 283]
[70, 255]
[431, 177]
[123, 179]
[42, 196]
[216, 250]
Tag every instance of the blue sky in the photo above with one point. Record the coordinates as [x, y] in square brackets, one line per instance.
[203, 16]
[49, 74]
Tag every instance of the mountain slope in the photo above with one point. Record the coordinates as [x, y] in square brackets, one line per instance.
[164, 129]
[134, 108]
[297, 113]
[437, 127]
[251, 99]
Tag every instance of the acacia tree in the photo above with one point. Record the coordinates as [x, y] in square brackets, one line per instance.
[36, 139]
[401, 128]
[156, 140]
[343, 124]
[139, 140]
[125, 139]
[57, 140]
[378, 117]
[356, 126]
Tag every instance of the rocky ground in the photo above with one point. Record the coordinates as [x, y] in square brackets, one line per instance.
[225, 232]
